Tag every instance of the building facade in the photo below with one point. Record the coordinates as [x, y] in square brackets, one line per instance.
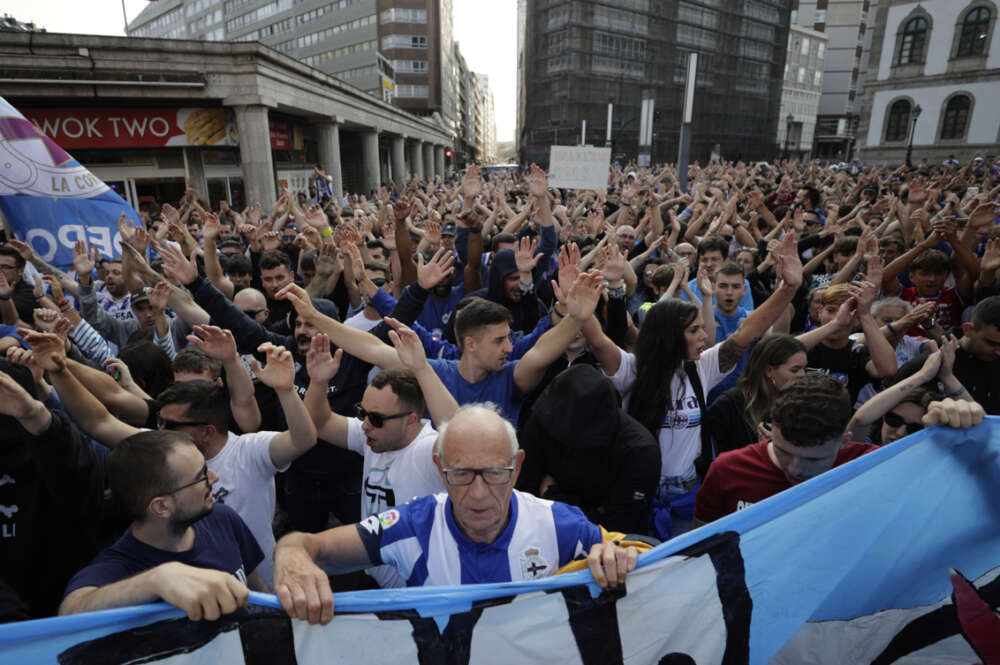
[801, 91]
[239, 120]
[935, 74]
[578, 56]
[396, 50]
[486, 129]
[847, 25]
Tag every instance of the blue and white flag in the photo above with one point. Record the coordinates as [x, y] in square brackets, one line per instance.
[51, 200]
[892, 558]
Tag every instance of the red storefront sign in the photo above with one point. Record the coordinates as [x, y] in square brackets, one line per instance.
[135, 127]
[285, 134]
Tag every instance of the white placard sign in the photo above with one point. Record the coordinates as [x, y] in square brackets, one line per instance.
[579, 167]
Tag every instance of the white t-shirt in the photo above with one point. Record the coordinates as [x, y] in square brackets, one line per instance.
[392, 478]
[680, 434]
[362, 322]
[246, 484]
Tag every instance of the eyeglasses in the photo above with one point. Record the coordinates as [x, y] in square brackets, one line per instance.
[8, 267]
[493, 475]
[252, 312]
[164, 423]
[376, 419]
[894, 421]
[202, 478]
[379, 281]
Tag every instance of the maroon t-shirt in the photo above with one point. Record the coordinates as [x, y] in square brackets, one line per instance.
[740, 478]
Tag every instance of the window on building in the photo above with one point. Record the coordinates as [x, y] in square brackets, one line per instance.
[911, 47]
[898, 122]
[802, 75]
[820, 50]
[817, 77]
[956, 117]
[404, 41]
[401, 15]
[972, 39]
[805, 46]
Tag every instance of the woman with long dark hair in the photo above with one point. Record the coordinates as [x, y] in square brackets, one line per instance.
[735, 419]
[656, 382]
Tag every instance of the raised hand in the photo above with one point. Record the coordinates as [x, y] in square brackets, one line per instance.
[876, 267]
[159, 295]
[82, 262]
[991, 257]
[296, 295]
[524, 255]
[409, 348]
[170, 214]
[39, 289]
[279, 372]
[847, 314]
[14, 400]
[26, 358]
[270, 241]
[582, 300]
[320, 365]
[984, 214]
[22, 248]
[431, 273]
[217, 343]
[176, 266]
[705, 284]
[45, 318]
[472, 184]
[432, 232]
[212, 228]
[789, 265]
[48, 348]
[614, 264]
[316, 218]
[538, 182]
[120, 372]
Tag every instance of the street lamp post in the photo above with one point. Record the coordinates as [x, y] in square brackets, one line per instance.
[788, 133]
[913, 130]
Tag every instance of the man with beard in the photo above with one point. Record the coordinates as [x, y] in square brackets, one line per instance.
[180, 548]
[275, 274]
[113, 295]
[243, 465]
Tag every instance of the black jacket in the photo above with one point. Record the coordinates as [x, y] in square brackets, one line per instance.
[601, 458]
[51, 490]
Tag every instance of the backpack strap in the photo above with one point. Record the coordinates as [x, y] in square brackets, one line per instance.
[707, 453]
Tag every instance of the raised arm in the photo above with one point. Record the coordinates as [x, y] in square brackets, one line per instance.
[50, 354]
[213, 268]
[358, 343]
[220, 345]
[322, 367]
[279, 375]
[440, 402]
[580, 305]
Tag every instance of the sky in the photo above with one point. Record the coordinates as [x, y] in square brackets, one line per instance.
[485, 29]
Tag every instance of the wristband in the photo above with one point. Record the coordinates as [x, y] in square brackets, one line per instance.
[4, 297]
[327, 232]
[617, 292]
[556, 310]
[891, 329]
[527, 287]
[954, 394]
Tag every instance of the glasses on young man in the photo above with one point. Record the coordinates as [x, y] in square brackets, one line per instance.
[895, 421]
[202, 478]
[493, 475]
[376, 419]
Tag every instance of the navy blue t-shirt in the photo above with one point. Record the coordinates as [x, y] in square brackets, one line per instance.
[223, 542]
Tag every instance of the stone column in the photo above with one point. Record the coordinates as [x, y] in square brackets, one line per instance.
[417, 159]
[256, 161]
[328, 142]
[439, 161]
[428, 150]
[371, 179]
[399, 160]
[194, 170]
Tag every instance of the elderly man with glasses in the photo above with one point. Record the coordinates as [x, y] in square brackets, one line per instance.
[480, 531]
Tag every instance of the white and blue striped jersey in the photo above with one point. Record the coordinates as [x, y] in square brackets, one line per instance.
[423, 542]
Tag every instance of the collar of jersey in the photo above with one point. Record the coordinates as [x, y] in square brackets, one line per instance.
[502, 541]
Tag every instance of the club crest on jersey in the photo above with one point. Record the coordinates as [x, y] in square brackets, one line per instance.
[388, 518]
[533, 565]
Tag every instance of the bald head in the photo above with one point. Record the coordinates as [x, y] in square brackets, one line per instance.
[474, 427]
[250, 299]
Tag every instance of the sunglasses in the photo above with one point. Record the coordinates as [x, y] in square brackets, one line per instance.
[252, 312]
[164, 423]
[894, 421]
[376, 419]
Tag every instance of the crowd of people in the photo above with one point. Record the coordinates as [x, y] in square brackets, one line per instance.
[472, 379]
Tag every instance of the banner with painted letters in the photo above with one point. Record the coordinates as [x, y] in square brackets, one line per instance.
[892, 558]
[49, 199]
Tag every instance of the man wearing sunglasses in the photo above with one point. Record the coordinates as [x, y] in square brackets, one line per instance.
[180, 548]
[480, 531]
